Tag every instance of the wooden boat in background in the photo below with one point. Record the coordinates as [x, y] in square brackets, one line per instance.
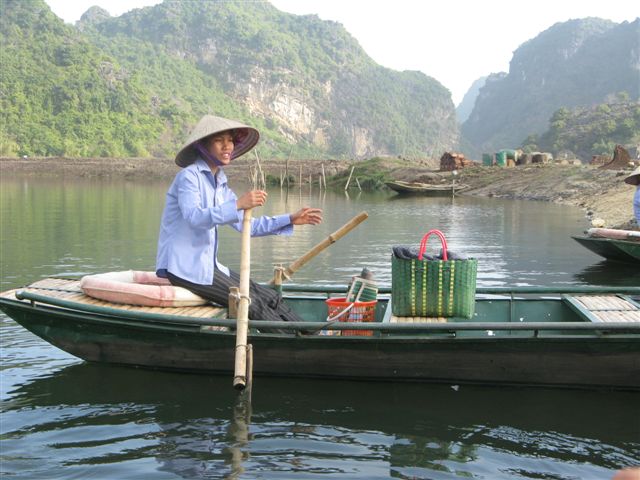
[575, 337]
[428, 189]
[612, 244]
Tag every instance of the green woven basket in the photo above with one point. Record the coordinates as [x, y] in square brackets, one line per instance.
[433, 288]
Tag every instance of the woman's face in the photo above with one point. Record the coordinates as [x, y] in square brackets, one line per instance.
[221, 147]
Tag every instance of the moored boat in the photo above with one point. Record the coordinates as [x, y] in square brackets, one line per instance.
[612, 244]
[575, 337]
[428, 189]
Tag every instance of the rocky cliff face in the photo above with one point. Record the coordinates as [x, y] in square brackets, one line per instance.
[305, 78]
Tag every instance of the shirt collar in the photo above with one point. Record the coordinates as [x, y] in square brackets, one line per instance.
[202, 166]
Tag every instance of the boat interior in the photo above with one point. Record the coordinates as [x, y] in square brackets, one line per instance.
[492, 306]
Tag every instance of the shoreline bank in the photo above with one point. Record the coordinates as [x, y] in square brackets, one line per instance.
[601, 193]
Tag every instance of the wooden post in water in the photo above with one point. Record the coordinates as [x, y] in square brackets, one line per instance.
[453, 183]
[324, 178]
[346, 187]
[261, 182]
[242, 322]
[286, 167]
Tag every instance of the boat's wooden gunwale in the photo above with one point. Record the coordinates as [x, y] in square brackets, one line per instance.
[115, 315]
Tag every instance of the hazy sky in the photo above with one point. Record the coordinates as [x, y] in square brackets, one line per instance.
[453, 41]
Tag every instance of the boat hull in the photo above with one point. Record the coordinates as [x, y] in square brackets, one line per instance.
[611, 249]
[565, 360]
[407, 188]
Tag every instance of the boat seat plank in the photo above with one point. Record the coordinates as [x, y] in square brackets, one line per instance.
[69, 290]
[604, 308]
[394, 319]
[389, 317]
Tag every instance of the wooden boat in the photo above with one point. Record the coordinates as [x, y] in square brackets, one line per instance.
[612, 244]
[577, 337]
[429, 189]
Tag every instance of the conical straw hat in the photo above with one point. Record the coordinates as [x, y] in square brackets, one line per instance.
[245, 137]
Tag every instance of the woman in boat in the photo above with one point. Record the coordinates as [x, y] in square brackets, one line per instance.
[199, 201]
[634, 179]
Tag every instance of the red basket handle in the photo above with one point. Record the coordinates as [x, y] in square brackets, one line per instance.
[423, 244]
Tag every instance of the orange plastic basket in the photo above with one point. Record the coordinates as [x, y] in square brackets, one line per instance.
[360, 312]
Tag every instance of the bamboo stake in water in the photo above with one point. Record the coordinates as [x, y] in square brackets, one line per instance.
[346, 187]
[324, 178]
[242, 322]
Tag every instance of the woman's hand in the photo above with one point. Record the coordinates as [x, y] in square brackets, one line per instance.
[306, 216]
[254, 198]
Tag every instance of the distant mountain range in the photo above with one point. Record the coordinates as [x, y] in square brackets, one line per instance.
[133, 85]
[579, 63]
[464, 109]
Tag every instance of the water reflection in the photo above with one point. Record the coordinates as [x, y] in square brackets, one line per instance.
[609, 273]
[98, 418]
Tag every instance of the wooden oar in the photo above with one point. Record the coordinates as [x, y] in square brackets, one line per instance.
[333, 238]
[242, 321]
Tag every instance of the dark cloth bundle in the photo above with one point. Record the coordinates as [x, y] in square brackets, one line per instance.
[406, 252]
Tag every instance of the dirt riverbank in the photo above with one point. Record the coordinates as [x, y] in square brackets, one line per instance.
[601, 193]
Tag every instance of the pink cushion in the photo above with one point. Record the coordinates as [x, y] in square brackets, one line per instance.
[138, 288]
[149, 278]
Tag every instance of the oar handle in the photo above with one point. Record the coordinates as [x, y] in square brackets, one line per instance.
[331, 239]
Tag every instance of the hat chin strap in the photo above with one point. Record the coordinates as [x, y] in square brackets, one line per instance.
[206, 155]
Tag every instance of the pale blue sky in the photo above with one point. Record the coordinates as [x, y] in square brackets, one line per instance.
[455, 42]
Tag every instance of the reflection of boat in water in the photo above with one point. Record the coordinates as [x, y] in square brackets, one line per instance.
[453, 412]
[526, 336]
[428, 189]
[187, 425]
[606, 273]
[612, 244]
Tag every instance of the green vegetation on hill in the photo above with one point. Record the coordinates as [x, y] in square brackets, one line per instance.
[63, 96]
[590, 131]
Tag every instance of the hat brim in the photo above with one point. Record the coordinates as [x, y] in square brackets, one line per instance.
[634, 178]
[245, 138]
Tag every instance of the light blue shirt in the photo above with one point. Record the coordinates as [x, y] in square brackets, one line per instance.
[197, 203]
[636, 205]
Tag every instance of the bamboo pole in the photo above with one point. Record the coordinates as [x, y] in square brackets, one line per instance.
[240, 376]
[331, 239]
[324, 178]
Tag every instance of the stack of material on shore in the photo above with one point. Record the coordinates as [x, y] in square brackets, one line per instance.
[454, 161]
[621, 159]
[599, 160]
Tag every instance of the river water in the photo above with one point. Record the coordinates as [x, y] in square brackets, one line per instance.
[63, 418]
